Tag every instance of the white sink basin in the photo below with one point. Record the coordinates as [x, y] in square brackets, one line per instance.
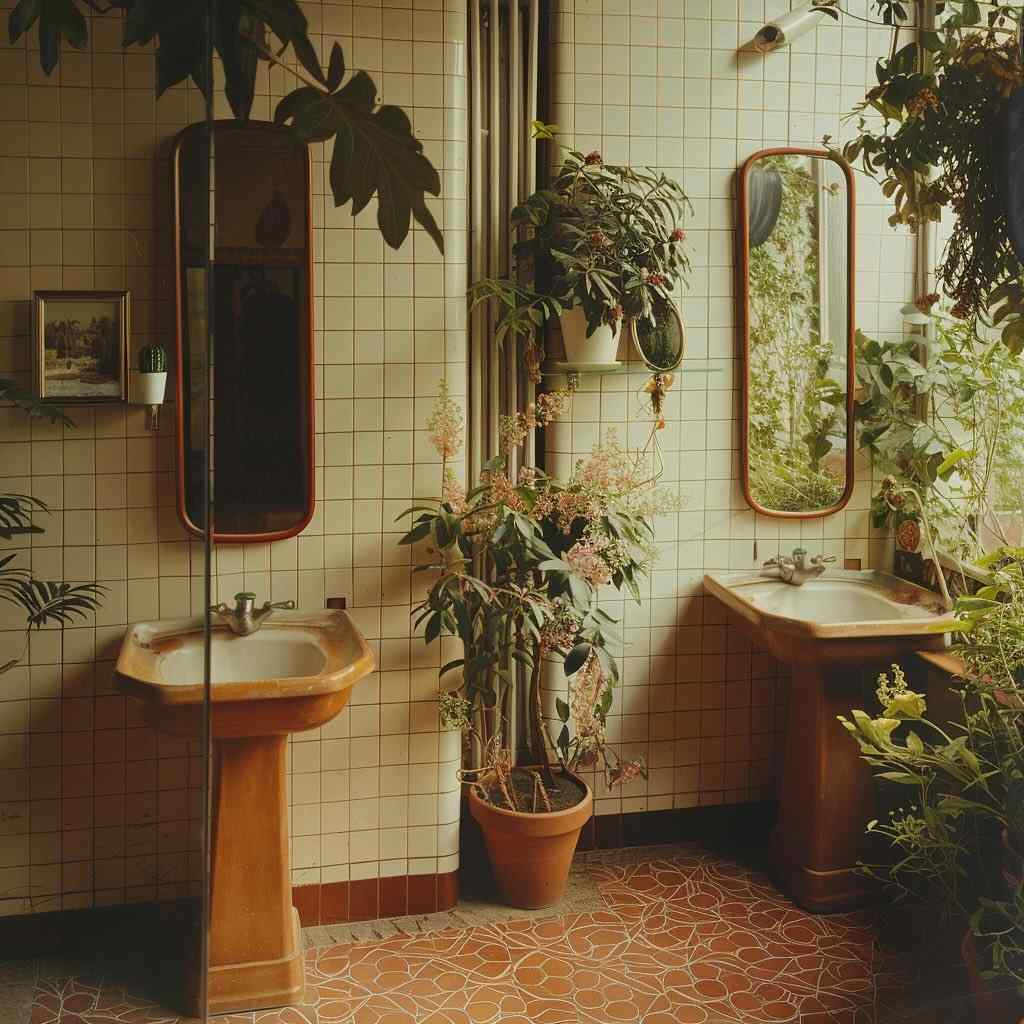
[842, 603]
[269, 654]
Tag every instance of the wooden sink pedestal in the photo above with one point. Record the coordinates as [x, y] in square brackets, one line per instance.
[256, 957]
[826, 797]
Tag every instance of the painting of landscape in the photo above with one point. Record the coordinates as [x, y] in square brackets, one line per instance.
[83, 345]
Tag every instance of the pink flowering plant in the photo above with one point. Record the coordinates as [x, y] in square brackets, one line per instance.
[517, 567]
[606, 237]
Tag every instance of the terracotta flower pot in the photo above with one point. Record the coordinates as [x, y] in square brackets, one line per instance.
[531, 853]
[991, 1005]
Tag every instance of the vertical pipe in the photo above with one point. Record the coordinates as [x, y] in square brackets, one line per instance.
[530, 172]
[494, 219]
[515, 106]
[478, 319]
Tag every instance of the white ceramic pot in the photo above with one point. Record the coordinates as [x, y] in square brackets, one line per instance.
[599, 347]
[149, 388]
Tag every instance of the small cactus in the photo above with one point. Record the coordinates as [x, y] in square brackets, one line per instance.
[152, 359]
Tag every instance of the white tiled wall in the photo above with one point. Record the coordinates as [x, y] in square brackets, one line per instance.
[663, 82]
[94, 807]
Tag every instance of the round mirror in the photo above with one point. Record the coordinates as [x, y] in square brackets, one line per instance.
[660, 341]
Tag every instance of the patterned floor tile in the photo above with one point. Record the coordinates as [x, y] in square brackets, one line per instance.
[680, 936]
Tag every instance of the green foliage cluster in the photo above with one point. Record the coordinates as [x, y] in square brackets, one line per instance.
[602, 236]
[946, 416]
[960, 785]
[375, 152]
[517, 569]
[796, 408]
[941, 97]
[45, 603]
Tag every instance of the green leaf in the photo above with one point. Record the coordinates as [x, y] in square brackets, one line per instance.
[562, 708]
[433, 630]
[336, 69]
[22, 18]
[375, 153]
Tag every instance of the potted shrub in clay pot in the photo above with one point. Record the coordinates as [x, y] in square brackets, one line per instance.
[601, 244]
[957, 836]
[516, 567]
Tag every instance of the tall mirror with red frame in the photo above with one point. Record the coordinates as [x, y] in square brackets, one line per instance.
[796, 249]
[258, 293]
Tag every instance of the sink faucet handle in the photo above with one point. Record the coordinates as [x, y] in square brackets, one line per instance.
[287, 606]
[823, 559]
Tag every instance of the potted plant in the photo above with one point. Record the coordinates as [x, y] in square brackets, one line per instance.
[602, 243]
[515, 573]
[945, 97]
[956, 836]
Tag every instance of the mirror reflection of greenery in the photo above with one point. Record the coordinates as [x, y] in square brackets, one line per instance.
[796, 411]
[965, 455]
[660, 337]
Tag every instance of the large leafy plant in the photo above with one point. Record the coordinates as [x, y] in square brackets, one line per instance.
[945, 417]
[516, 570]
[960, 785]
[375, 152]
[44, 602]
[605, 237]
[941, 96]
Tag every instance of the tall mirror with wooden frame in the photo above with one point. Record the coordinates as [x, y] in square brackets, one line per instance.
[259, 294]
[796, 269]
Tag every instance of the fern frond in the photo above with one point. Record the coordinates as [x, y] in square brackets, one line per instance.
[16, 514]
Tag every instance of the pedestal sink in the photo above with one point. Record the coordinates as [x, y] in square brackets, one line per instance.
[295, 673]
[833, 631]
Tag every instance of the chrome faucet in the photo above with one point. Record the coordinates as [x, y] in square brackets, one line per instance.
[797, 569]
[245, 617]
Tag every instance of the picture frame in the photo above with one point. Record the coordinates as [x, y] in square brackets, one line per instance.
[80, 343]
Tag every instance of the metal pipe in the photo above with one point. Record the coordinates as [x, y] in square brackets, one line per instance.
[494, 219]
[478, 319]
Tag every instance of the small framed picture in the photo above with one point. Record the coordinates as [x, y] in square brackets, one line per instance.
[81, 346]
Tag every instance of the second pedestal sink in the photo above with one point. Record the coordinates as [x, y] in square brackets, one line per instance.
[295, 673]
[833, 631]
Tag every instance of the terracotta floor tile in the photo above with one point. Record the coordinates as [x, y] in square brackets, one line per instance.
[686, 937]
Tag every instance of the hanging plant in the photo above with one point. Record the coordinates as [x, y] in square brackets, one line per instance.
[375, 152]
[944, 98]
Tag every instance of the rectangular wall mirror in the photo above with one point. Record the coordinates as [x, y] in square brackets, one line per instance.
[259, 295]
[796, 262]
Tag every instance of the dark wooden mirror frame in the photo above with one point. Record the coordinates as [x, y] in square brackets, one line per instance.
[219, 127]
[743, 266]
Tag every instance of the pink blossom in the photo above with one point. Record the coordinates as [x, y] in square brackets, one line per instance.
[585, 559]
[585, 690]
[445, 424]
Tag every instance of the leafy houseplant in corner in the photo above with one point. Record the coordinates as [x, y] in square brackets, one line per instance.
[946, 97]
[602, 243]
[958, 833]
[515, 572]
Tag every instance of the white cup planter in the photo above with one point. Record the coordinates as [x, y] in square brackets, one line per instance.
[599, 347]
